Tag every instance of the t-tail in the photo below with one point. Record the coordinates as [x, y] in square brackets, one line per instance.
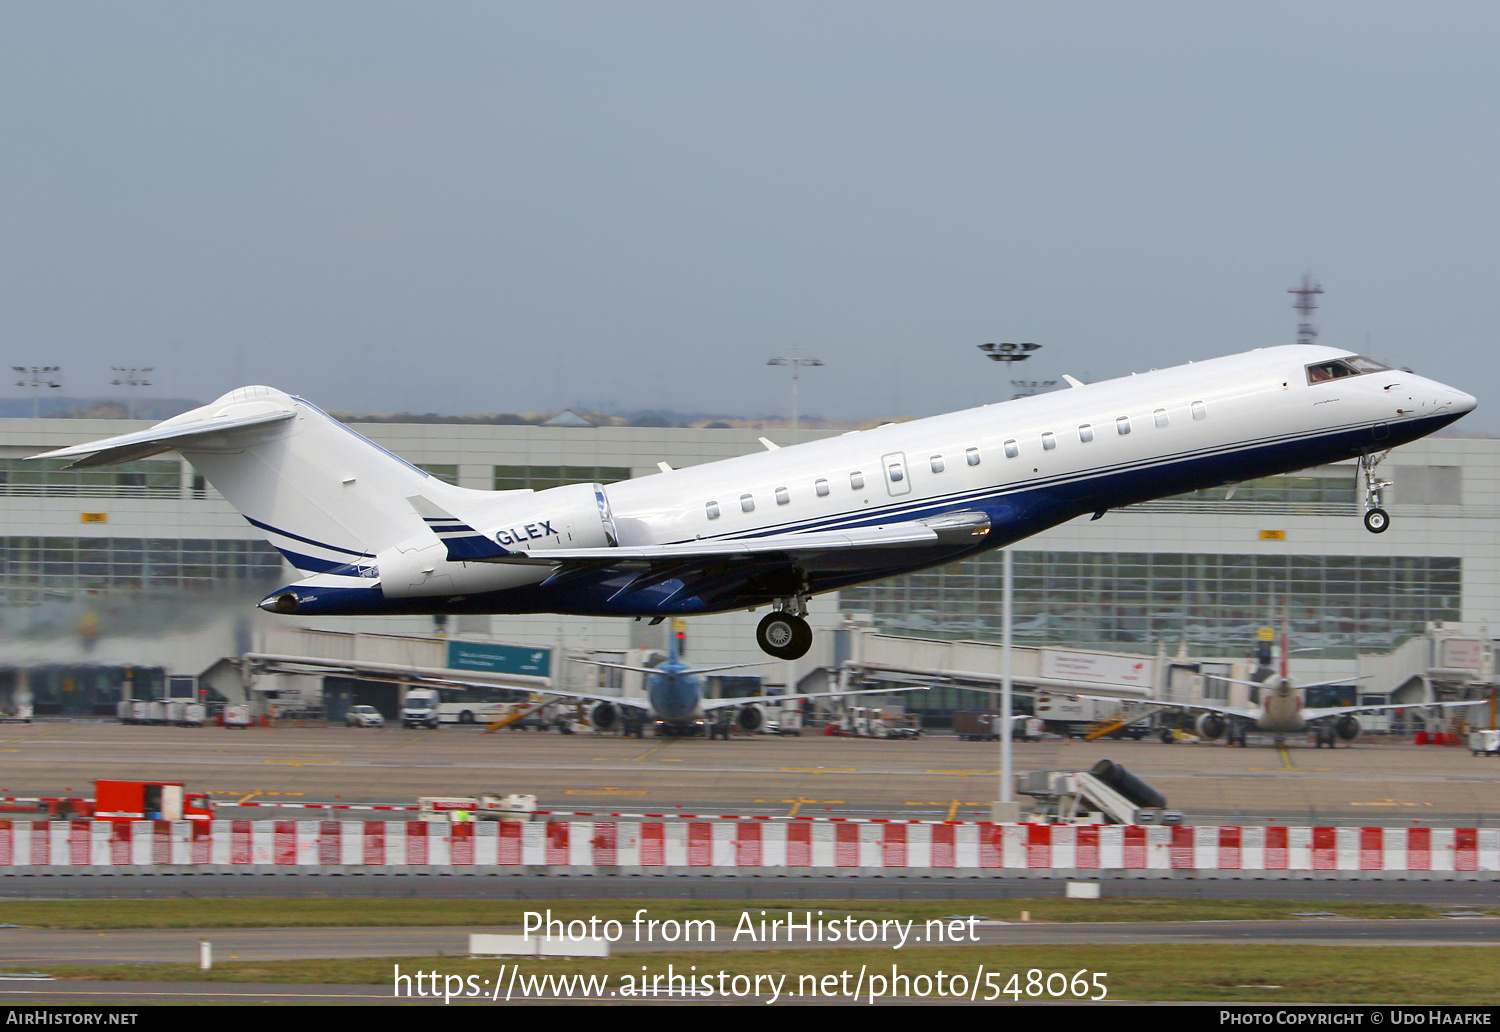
[338, 506]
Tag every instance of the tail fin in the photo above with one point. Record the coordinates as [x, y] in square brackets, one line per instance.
[325, 496]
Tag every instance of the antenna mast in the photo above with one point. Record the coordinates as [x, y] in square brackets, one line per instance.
[1306, 332]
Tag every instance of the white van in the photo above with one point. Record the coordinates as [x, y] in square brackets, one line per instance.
[420, 708]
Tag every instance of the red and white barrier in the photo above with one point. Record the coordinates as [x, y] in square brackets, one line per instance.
[647, 846]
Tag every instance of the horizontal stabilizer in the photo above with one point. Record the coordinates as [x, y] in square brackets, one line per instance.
[464, 543]
[165, 437]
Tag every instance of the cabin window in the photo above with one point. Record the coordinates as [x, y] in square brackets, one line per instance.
[1199, 411]
[1122, 425]
[1086, 433]
[857, 480]
[897, 473]
[971, 456]
[1012, 449]
[782, 496]
[1049, 441]
[937, 464]
[1160, 415]
[821, 487]
[747, 502]
[713, 510]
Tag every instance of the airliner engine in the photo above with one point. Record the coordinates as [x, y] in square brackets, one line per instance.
[1347, 728]
[603, 715]
[751, 719]
[1210, 726]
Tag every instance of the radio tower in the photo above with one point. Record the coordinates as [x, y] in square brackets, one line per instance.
[1306, 333]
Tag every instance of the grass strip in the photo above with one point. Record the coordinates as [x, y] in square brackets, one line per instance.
[364, 913]
[1205, 973]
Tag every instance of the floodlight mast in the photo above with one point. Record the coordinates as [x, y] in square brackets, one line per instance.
[1006, 809]
[37, 378]
[130, 376]
[797, 361]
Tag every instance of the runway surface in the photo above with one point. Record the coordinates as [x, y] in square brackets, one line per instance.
[33, 946]
[1374, 782]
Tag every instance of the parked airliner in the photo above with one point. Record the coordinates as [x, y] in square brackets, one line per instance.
[674, 701]
[376, 535]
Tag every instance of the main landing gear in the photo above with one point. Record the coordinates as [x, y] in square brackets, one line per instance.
[784, 632]
[1377, 520]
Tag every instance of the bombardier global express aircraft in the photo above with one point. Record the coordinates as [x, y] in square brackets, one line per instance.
[376, 535]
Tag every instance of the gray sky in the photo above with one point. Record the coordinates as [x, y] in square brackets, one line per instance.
[491, 206]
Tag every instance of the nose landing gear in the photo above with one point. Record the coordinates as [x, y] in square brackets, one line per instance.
[1377, 520]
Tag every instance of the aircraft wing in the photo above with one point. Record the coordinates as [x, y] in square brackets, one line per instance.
[563, 695]
[1298, 684]
[956, 528]
[1180, 707]
[709, 705]
[1323, 712]
[657, 670]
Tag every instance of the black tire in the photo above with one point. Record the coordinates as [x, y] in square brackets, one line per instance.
[466, 717]
[1377, 521]
[784, 636]
[1166, 737]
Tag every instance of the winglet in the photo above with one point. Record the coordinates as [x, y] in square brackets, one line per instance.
[463, 541]
[770, 444]
[1072, 382]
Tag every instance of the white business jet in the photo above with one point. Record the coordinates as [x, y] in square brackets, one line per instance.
[376, 535]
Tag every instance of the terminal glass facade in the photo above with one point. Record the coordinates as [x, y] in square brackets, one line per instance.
[149, 478]
[97, 563]
[539, 478]
[1213, 602]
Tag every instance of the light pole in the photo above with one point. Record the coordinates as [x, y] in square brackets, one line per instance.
[37, 378]
[796, 362]
[1006, 809]
[130, 376]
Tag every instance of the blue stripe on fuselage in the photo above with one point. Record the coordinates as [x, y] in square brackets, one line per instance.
[1015, 511]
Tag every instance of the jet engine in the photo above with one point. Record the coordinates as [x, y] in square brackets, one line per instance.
[603, 715]
[1210, 726]
[576, 516]
[751, 719]
[1347, 727]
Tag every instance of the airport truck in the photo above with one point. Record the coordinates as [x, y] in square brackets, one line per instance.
[135, 801]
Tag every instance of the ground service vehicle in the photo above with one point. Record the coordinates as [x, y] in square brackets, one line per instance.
[420, 709]
[148, 801]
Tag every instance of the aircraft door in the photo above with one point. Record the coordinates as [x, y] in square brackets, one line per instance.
[897, 476]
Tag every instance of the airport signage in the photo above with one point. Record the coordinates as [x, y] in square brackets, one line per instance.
[499, 659]
[1098, 668]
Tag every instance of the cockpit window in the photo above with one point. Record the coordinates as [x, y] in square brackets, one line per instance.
[1354, 365]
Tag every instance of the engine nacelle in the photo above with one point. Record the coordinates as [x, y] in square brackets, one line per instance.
[1210, 726]
[576, 516]
[604, 715]
[1347, 727]
[751, 719]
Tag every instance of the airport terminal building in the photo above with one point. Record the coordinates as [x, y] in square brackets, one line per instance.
[114, 580]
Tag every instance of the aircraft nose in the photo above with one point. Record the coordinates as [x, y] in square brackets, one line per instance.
[1464, 403]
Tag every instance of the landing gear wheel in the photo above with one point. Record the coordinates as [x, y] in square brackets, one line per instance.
[784, 636]
[1377, 521]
